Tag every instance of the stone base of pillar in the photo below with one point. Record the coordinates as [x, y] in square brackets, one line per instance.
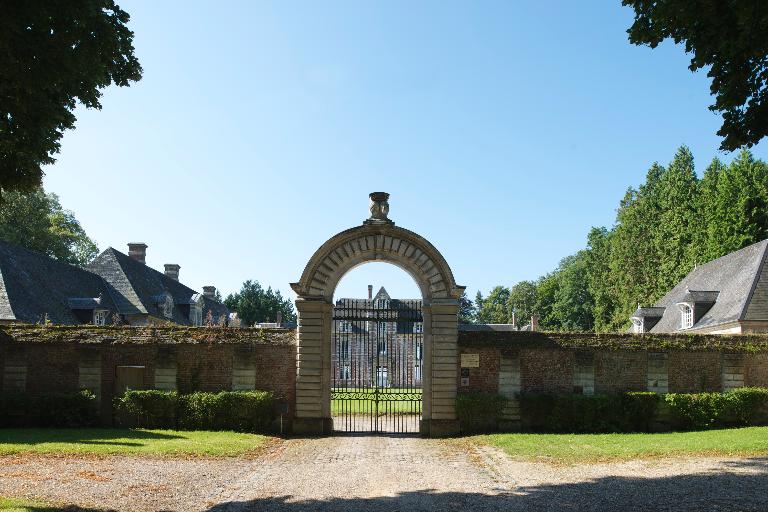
[312, 426]
[439, 428]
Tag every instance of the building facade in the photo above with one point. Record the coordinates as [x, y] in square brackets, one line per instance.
[114, 288]
[377, 342]
[728, 295]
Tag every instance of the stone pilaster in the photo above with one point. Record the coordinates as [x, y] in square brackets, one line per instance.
[313, 361]
[441, 351]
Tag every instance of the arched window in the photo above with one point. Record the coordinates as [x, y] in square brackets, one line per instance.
[686, 317]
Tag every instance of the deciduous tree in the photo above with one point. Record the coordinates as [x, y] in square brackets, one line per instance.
[54, 54]
[729, 38]
[37, 221]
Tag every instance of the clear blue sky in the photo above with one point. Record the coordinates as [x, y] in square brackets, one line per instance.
[503, 130]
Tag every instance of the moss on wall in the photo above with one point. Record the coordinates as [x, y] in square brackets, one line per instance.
[20, 333]
[616, 341]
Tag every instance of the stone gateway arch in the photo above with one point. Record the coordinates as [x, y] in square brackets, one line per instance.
[377, 239]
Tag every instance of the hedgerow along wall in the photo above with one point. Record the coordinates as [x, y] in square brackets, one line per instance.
[105, 360]
[511, 363]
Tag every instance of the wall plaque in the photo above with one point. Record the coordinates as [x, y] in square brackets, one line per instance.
[470, 360]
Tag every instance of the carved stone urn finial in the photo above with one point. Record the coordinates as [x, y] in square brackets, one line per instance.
[379, 208]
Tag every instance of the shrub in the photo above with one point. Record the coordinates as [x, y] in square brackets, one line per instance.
[739, 407]
[695, 411]
[643, 412]
[628, 412]
[748, 406]
[73, 409]
[241, 411]
[149, 408]
[479, 412]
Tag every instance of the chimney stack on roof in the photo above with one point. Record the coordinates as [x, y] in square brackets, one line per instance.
[172, 270]
[370, 292]
[534, 322]
[138, 251]
[209, 292]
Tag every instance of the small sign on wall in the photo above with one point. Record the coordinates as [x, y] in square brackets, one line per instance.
[465, 376]
[470, 360]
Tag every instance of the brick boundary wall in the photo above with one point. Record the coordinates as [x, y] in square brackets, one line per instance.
[67, 358]
[512, 361]
[63, 358]
[618, 362]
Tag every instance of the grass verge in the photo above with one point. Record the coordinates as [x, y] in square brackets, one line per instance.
[129, 442]
[22, 505]
[580, 448]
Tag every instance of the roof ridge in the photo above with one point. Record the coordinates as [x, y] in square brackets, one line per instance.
[755, 281]
[119, 263]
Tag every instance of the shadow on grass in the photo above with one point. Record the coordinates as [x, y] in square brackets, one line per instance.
[742, 491]
[96, 436]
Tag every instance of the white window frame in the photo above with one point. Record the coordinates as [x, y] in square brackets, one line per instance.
[195, 315]
[382, 377]
[686, 316]
[637, 326]
[168, 307]
[100, 317]
[417, 373]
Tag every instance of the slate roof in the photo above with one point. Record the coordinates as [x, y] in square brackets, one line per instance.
[355, 311]
[33, 285]
[139, 289]
[648, 312]
[694, 296]
[738, 279]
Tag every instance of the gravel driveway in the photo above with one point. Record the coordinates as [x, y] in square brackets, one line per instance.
[385, 473]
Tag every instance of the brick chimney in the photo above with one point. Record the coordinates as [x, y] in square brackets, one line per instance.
[370, 292]
[138, 251]
[172, 270]
[535, 322]
[209, 292]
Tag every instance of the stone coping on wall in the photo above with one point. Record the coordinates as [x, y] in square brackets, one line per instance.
[614, 341]
[33, 334]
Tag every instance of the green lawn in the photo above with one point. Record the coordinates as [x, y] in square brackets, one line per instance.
[125, 441]
[571, 448]
[388, 402]
[22, 505]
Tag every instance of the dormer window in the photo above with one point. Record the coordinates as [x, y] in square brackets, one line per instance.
[195, 315]
[168, 306]
[645, 319]
[686, 316]
[694, 306]
[100, 317]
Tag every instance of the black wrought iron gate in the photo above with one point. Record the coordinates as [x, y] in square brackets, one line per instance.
[377, 361]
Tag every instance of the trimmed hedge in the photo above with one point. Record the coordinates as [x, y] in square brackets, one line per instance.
[479, 412]
[69, 410]
[643, 412]
[737, 408]
[241, 411]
